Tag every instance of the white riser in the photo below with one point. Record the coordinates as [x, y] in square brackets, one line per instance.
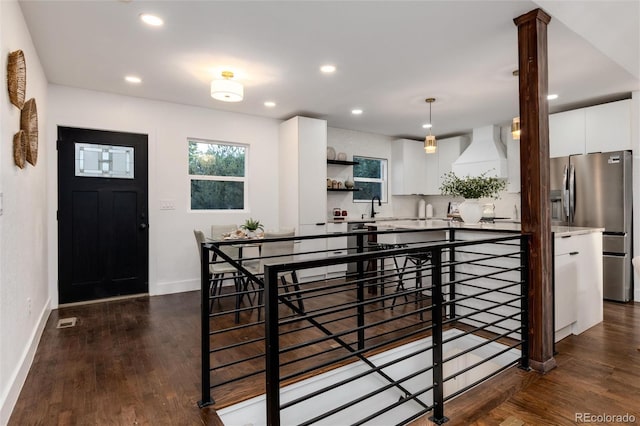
[252, 412]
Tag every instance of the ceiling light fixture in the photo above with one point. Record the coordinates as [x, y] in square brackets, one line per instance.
[133, 79]
[356, 111]
[515, 128]
[328, 69]
[269, 104]
[152, 20]
[552, 97]
[227, 90]
[430, 144]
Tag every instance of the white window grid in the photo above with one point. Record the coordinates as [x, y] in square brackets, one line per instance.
[381, 180]
[222, 178]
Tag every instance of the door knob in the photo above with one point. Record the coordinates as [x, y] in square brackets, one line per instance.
[143, 226]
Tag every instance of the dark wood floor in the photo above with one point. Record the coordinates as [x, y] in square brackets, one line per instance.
[598, 372]
[128, 362]
[137, 361]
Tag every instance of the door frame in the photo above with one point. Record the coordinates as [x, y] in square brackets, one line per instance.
[54, 235]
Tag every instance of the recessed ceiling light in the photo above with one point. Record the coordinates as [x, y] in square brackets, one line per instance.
[152, 20]
[269, 104]
[552, 96]
[328, 69]
[133, 79]
[427, 126]
[356, 111]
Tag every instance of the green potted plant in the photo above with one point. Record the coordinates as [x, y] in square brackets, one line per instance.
[471, 189]
[251, 226]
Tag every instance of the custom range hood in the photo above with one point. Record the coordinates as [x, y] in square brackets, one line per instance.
[485, 154]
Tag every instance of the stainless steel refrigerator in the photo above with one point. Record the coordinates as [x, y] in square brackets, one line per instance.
[594, 190]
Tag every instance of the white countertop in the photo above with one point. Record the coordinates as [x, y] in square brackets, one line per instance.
[562, 231]
[559, 231]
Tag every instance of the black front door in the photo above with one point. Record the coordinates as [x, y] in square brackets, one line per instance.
[103, 239]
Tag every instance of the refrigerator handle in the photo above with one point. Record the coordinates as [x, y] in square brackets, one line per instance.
[565, 193]
[572, 193]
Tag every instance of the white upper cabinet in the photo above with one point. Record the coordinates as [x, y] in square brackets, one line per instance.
[513, 164]
[600, 128]
[303, 172]
[608, 127]
[567, 133]
[416, 172]
[408, 167]
[432, 168]
[448, 151]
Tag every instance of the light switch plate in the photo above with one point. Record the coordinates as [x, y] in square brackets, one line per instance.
[167, 205]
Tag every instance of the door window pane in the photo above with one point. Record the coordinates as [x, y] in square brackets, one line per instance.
[108, 161]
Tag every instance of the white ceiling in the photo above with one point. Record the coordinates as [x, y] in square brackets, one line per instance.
[390, 55]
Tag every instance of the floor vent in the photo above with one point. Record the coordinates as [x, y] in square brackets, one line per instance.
[67, 322]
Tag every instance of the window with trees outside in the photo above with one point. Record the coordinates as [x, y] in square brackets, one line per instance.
[217, 174]
[370, 178]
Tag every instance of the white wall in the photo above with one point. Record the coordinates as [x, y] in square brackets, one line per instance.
[356, 143]
[24, 303]
[635, 143]
[173, 260]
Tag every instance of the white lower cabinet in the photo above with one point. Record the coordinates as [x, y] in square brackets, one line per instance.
[314, 248]
[578, 283]
[566, 291]
[336, 247]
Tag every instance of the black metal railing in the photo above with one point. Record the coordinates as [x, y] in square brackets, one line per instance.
[451, 303]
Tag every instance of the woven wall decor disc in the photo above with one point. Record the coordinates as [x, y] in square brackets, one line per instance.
[29, 123]
[17, 78]
[20, 148]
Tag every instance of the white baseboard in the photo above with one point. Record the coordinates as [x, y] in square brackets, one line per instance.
[20, 373]
[174, 287]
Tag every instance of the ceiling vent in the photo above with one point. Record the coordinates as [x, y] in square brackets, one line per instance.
[485, 154]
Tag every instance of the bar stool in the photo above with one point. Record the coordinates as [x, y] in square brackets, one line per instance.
[372, 266]
[418, 260]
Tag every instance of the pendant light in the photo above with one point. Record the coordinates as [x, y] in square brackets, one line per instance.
[227, 90]
[430, 145]
[515, 129]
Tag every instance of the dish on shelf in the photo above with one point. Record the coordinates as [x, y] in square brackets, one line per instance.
[342, 156]
[331, 153]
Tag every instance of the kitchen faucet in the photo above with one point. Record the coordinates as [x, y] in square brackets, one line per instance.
[373, 212]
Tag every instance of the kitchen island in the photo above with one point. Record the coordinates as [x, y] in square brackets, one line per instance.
[577, 263]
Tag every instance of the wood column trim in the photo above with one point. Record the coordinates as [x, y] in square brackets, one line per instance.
[534, 169]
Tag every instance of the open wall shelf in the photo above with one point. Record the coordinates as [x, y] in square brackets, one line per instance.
[343, 189]
[343, 163]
